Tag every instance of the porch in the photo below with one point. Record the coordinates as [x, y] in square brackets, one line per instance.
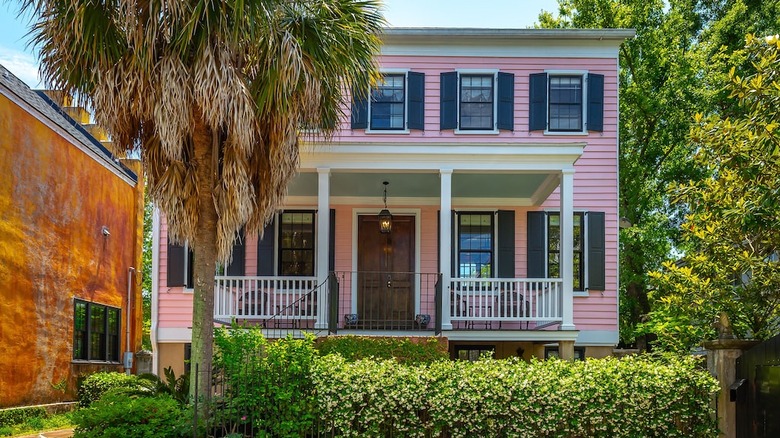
[377, 302]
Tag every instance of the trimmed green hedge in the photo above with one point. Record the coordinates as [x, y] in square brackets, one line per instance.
[95, 385]
[116, 414]
[418, 350]
[284, 388]
[631, 397]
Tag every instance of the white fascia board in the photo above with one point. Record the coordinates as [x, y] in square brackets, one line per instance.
[512, 335]
[458, 157]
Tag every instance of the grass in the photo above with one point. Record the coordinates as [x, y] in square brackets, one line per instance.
[39, 424]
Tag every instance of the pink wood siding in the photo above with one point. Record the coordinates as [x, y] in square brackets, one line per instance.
[521, 67]
[595, 181]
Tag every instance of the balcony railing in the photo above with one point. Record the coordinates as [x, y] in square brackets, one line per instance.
[267, 301]
[500, 303]
[388, 301]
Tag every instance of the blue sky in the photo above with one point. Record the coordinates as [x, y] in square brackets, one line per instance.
[21, 60]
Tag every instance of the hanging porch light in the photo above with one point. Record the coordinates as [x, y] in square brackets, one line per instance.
[385, 218]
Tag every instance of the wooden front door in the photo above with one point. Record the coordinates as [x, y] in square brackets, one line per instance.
[385, 288]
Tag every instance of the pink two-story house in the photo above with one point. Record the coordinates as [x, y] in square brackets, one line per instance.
[472, 195]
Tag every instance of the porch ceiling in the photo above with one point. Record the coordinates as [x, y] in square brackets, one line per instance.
[525, 186]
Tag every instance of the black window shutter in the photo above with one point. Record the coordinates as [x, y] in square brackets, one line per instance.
[595, 102]
[359, 110]
[416, 118]
[536, 244]
[188, 283]
[265, 251]
[236, 267]
[332, 241]
[506, 101]
[537, 117]
[448, 110]
[506, 244]
[596, 251]
[453, 247]
[175, 265]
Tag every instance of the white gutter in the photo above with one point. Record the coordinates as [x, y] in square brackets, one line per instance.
[128, 362]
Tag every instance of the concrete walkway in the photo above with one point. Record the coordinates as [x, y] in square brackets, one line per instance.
[64, 433]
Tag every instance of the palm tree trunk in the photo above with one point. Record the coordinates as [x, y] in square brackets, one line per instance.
[205, 254]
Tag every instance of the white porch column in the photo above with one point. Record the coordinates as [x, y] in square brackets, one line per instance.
[323, 241]
[445, 254]
[567, 247]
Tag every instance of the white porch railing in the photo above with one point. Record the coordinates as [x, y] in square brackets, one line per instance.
[265, 298]
[512, 303]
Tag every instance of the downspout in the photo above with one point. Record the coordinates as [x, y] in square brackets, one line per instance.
[155, 288]
[128, 362]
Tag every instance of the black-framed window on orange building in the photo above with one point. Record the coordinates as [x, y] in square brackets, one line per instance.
[296, 243]
[95, 332]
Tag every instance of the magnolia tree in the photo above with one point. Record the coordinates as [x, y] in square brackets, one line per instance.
[731, 265]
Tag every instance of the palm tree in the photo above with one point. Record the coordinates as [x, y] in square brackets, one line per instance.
[213, 94]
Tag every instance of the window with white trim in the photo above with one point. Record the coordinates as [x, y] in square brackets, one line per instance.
[477, 104]
[475, 245]
[554, 249]
[388, 103]
[296, 243]
[565, 106]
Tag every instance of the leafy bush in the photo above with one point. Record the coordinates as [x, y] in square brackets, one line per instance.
[267, 383]
[596, 398]
[405, 350]
[116, 414]
[95, 385]
[10, 417]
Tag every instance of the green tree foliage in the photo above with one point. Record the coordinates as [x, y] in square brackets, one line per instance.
[731, 229]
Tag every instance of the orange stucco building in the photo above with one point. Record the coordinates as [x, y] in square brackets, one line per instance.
[70, 251]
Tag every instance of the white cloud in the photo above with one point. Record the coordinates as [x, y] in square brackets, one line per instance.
[23, 65]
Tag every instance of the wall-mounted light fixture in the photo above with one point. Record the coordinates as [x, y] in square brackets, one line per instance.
[385, 218]
[104, 231]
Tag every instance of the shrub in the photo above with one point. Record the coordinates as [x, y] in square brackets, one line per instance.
[116, 414]
[405, 350]
[95, 385]
[10, 417]
[267, 383]
[596, 398]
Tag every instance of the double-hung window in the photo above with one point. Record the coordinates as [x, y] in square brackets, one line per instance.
[296, 243]
[588, 249]
[475, 245]
[388, 103]
[395, 104]
[566, 102]
[95, 332]
[554, 248]
[477, 101]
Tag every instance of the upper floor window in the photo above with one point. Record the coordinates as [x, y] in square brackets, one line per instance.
[95, 332]
[477, 101]
[296, 244]
[566, 102]
[396, 104]
[388, 103]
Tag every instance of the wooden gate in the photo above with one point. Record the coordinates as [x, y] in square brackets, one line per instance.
[758, 395]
